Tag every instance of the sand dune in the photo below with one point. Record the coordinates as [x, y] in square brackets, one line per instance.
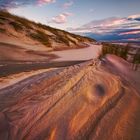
[11, 52]
[84, 101]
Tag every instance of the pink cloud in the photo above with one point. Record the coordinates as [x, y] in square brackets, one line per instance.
[134, 39]
[130, 32]
[61, 18]
[42, 2]
[67, 4]
[112, 22]
[134, 16]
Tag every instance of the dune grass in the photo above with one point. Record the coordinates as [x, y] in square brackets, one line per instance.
[2, 30]
[41, 37]
[16, 26]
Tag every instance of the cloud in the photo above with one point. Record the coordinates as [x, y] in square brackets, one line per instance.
[8, 4]
[130, 32]
[134, 17]
[110, 25]
[118, 28]
[67, 4]
[42, 2]
[134, 39]
[61, 18]
[127, 35]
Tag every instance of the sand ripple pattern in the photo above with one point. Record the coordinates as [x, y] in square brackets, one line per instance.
[79, 102]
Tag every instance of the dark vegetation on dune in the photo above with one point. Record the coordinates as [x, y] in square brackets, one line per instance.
[115, 49]
[122, 51]
[2, 30]
[41, 37]
[16, 26]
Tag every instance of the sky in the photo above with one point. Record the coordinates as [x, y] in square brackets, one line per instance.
[71, 13]
[79, 15]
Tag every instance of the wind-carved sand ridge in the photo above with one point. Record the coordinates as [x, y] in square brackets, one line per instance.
[79, 102]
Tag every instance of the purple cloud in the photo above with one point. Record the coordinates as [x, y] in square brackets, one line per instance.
[6, 4]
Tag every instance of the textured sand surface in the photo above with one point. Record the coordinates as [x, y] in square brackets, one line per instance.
[14, 78]
[81, 102]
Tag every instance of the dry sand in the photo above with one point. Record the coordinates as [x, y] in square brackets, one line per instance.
[88, 53]
[86, 101]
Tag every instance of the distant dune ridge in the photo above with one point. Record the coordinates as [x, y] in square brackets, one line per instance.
[23, 31]
[84, 101]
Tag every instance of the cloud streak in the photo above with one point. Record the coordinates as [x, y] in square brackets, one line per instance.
[42, 2]
[8, 4]
[134, 17]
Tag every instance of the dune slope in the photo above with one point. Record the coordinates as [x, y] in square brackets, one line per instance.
[36, 36]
